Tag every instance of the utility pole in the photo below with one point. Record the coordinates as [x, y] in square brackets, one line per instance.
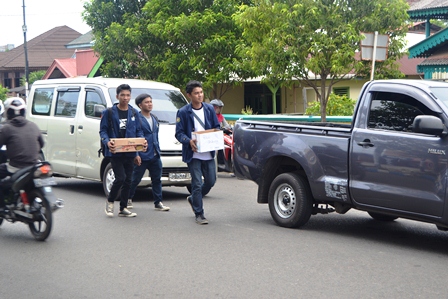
[24, 29]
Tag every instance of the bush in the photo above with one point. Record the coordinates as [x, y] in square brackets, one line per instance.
[337, 106]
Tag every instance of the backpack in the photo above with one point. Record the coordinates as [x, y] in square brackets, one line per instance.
[102, 149]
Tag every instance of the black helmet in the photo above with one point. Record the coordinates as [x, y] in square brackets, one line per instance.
[14, 107]
[217, 102]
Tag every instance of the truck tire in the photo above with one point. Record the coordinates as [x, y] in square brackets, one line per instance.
[290, 201]
[382, 217]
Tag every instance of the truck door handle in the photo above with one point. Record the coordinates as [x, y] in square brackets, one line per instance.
[365, 143]
[80, 127]
[72, 129]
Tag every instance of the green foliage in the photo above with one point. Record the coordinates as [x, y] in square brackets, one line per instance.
[337, 106]
[168, 40]
[32, 77]
[315, 41]
[247, 111]
[3, 93]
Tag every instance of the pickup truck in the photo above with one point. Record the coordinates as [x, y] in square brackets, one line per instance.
[390, 162]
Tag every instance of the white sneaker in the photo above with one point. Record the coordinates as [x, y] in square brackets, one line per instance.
[130, 206]
[126, 213]
[109, 208]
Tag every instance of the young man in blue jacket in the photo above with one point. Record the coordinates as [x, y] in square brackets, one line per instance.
[124, 124]
[195, 117]
[151, 158]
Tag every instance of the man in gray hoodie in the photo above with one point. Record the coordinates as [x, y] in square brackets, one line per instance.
[22, 138]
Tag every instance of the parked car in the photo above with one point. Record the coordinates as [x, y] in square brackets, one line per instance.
[68, 113]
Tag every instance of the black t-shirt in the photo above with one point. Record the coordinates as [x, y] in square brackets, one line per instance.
[123, 118]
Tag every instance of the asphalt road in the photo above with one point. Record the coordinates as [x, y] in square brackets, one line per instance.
[240, 254]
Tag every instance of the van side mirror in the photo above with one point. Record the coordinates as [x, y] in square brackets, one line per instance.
[428, 124]
[98, 110]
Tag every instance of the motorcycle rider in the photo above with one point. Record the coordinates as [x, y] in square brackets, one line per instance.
[219, 105]
[22, 138]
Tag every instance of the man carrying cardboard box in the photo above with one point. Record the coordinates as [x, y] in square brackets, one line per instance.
[195, 117]
[124, 124]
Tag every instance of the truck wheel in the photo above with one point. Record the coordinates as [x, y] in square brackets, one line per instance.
[382, 217]
[108, 179]
[290, 201]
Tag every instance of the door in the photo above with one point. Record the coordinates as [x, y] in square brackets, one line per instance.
[61, 137]
[88, 164]
[393, 167]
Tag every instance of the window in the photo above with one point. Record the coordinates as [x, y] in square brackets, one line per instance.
[16, 82]
[342, 91]
[42, 101]
[66, 103]
[7, 83]
[93, 99]
[396, 112]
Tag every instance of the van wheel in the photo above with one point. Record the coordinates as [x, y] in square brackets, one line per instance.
[290, 201]
[382, 217]
[108, 179]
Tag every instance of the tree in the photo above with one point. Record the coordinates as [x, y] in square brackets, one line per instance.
[169, 40]
[317, 40]
[3, 93]
[32, 77]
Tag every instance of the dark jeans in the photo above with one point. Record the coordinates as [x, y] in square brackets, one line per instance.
[154, 167]
[122, 167]
[3, 174]
[201, 169]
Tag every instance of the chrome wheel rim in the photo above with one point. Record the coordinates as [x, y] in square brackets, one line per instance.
[284, 201]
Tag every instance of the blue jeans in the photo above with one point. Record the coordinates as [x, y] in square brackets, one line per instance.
[122, 167]
[201, 169]
[155, 171]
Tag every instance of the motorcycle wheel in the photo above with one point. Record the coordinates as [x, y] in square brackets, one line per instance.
[43, 220]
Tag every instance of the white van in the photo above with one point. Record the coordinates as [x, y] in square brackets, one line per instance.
[68, 112]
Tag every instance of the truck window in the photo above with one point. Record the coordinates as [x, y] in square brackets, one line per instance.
[42, 100]
[394, 111]
[66, 103]
[92, 99]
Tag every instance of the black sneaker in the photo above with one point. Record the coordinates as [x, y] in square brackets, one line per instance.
[190, 201]
[200, 219]
[161, 207]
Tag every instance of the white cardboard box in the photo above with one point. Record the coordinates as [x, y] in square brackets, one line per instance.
[209, 140]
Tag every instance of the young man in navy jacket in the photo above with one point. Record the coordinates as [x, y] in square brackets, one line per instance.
[125, 124]
[197, 116]
[151, 158]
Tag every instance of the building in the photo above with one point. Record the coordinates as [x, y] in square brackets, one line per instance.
[41, 50]
[434, 48]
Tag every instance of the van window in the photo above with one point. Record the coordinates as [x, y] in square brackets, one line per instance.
[66, 103]
[92, 99]
[42, 100]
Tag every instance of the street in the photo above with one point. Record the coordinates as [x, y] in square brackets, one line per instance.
[242, 253]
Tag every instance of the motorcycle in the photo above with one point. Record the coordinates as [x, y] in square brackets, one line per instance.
[29, 199]
[225, 163]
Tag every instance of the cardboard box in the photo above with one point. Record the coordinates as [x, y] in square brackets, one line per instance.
[124, 145]
[209, 140]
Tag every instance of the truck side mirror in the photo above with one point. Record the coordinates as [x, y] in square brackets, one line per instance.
[98, 109]
[428, 124]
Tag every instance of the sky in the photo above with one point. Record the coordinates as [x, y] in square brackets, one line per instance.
[40, 16]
